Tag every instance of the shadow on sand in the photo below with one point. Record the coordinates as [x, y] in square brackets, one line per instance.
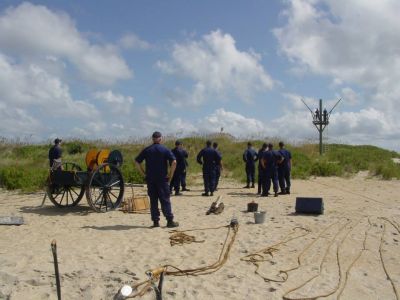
[57, 211]
[116, 227]
[242, 194]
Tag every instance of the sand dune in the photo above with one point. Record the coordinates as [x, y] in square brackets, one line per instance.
[350, 252]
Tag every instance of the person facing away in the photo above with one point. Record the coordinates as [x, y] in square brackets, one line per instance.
[250, 157]
[183, 181]
[55, 154]
[269, 161]
[209, 158]
[157, 158]
[284, 169]
[177, 178]
[218, 167]
[259, 155]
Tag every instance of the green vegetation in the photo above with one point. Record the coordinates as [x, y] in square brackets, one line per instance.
[25, 167]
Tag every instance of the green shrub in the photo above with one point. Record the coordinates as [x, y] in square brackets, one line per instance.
[324, 168]
[74, 148]
[14, 177]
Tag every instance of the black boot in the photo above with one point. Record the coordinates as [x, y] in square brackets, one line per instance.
[172, 224]
[155, 224]
[288, 191]
[185, 189]
[211, 194]
[205, 194]
[253, 186]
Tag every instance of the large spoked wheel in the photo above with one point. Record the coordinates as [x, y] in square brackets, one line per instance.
[106, 188]
[65, 195]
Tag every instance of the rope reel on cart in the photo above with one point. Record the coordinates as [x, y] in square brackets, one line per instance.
[95, 158]
[102, 182]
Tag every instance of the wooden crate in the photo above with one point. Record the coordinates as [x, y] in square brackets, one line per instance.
[135, 204]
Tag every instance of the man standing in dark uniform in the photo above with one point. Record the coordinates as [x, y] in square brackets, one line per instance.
[55, 153]
[260, 173]
[209, 158]
[218, 167]
[183, 181]
[250, 157]
[157, 158]
[284, 169]
[269, 161]
[177, 179]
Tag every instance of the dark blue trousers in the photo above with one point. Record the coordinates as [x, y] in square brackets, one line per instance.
[209, 179]
[159, 191]
[250, 173]
[183, 179]
[177, 180]
[217, 176]
[284, 179]
[267, 177]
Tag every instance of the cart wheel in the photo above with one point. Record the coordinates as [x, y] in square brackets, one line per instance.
[106, 188]
[65, 195]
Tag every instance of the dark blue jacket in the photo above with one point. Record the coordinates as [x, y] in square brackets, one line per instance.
[209, 158]
[157, 158]
[250, 156]
[55, 152]
[181, 156]
[287, 157]
[271, 158]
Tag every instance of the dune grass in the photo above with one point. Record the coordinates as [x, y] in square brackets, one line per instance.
[25, 167]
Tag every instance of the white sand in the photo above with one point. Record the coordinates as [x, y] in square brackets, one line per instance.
[98, 253]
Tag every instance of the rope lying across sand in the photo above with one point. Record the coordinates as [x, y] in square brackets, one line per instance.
[382, 260]
[260, 256]
[223, 257]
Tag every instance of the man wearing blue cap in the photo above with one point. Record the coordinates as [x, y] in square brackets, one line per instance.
[269, 161]
[284, 169]
[157, 158]
[178, 178]
[209, 158]
[55, 153]
[250, 157]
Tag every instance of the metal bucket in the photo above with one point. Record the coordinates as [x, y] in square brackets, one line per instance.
[259, 217]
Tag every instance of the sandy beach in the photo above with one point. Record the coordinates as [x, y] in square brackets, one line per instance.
[349, 252]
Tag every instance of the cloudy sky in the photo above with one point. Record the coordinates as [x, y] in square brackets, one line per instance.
[118, 70]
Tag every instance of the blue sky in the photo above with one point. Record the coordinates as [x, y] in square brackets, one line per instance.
[120, 70]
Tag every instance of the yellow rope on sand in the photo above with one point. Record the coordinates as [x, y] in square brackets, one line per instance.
[180, 238]
[223, 257]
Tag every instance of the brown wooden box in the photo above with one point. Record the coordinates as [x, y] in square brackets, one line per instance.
[133, 204]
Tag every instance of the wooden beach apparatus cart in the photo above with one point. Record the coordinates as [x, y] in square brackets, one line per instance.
[102, 182]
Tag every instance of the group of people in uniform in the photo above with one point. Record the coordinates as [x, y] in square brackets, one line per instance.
[273, 166]
[165, 171]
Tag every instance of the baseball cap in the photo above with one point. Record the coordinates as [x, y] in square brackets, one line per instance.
[156, 135]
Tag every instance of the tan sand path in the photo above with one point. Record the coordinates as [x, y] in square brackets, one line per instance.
[98, 253]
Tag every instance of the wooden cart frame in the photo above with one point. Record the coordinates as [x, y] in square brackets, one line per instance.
[104, 186]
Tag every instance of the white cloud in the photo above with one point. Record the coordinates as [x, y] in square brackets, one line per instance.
[355, 43]
[115, 103]
[232, 123]
[132, 41]
[217, 68]
[34, 31]
[152, 112]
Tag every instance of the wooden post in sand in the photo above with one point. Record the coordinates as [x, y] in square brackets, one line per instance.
[54, 250]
